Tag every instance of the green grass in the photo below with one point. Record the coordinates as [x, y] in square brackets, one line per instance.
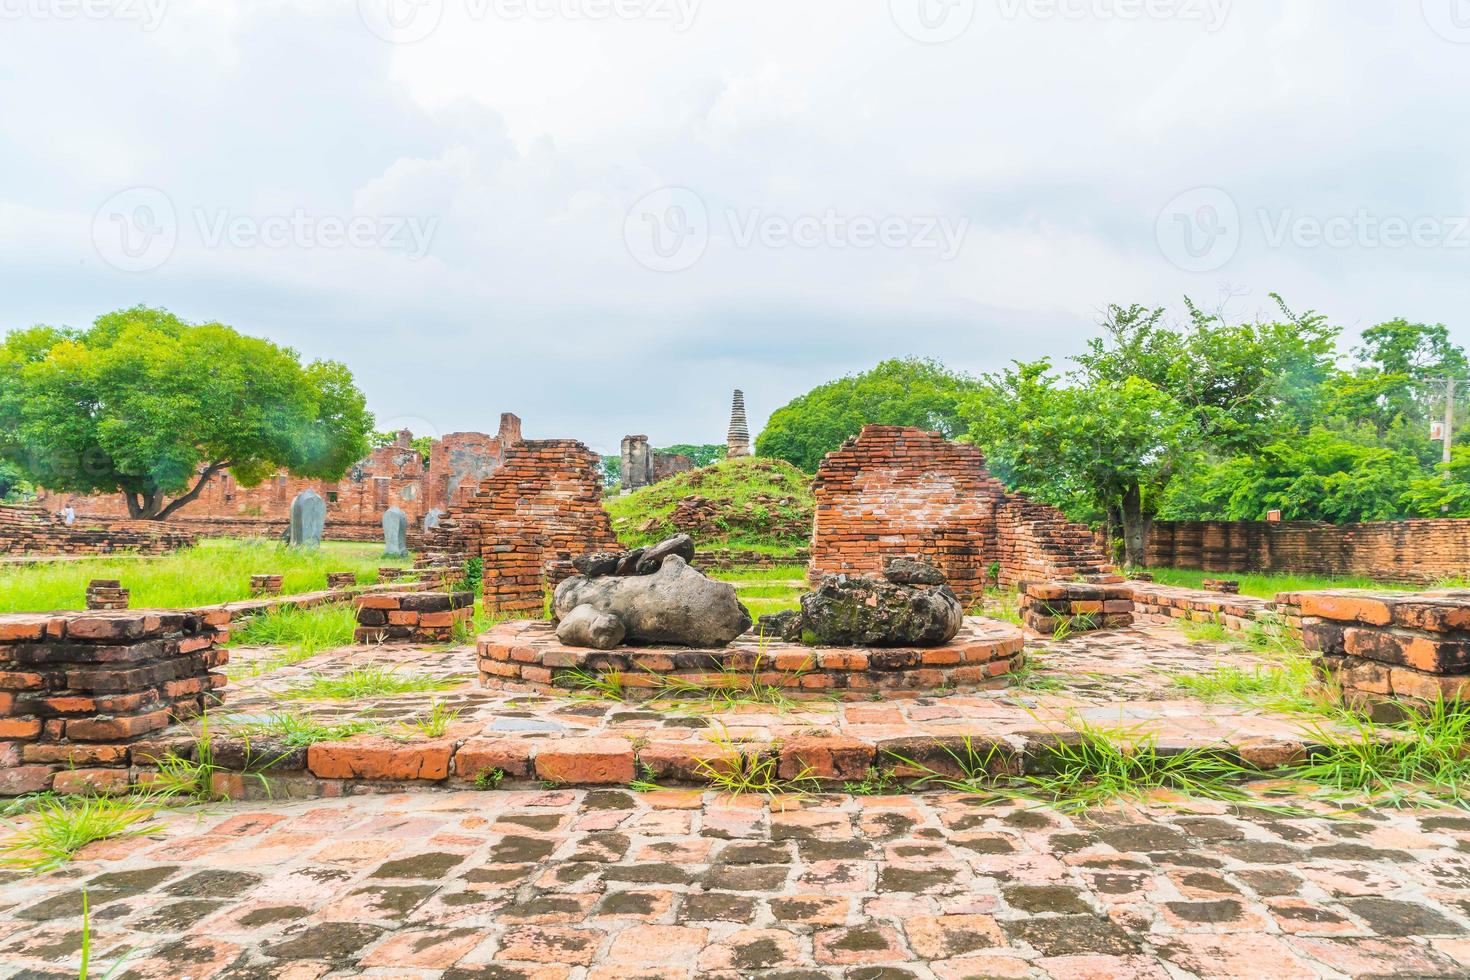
[436, 723]
[777, 573]
[1289, 685]
[55, 828]
[737, 772]
[301, 731]
[1266, 586]
[216, 570]
[368, 682]
[752, 495]
[1205, 631]
[1426, 763]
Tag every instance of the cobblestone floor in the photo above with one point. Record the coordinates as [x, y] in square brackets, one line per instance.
[611, 884]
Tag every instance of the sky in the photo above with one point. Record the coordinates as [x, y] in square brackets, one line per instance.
[604, 215]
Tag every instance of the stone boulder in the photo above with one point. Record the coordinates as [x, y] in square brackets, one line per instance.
[911, 571]
[862, 611]
[586, 627]
[676, 605]
[639, 561]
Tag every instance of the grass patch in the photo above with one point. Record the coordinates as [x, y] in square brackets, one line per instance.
[57, 827]
[1205, 631]
[1422, 760]
[737, 772]
[302, 633]
[751, 496]
[301, 731]
[1290, 685]
[779, 573]
[1266, 586]
[436, 724]
[214, 571]
[368, 682]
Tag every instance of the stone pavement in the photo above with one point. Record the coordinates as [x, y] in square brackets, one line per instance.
[674, 884]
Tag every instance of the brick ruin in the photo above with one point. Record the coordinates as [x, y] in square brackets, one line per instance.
[893, 491]
[412, 617]
[392, 476]
[1076, 607]
[1416, 552]
[540, 510]
[642, 467]
[32, 530]
[79, 691]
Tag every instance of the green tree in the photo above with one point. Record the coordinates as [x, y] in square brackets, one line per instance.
[1446, 494]
[913, 392]
[149, 406]
[701, 456]
[423, 445]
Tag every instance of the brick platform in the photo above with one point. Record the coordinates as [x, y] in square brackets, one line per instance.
[31, 530]
[1386, 648]
[412, 617]
[895, 491]
[341, 580]
[106, 593]
[1155, 603]
[1079, 606]
[78, 689]
[526, 655]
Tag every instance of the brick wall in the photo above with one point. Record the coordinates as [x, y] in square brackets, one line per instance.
[896, 491]
[540, 510]
[1388, 551]
[393, 476]
[33, 530]
[78, 690]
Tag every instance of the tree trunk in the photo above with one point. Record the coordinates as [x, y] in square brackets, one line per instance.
[1135, 527]
[152, 508]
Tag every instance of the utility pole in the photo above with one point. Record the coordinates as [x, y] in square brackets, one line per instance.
[1449, 429]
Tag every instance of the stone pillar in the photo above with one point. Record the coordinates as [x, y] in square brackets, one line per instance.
[308, 519]
[737, 440]
[637, 468]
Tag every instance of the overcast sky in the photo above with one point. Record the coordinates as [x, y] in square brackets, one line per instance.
[604, 215]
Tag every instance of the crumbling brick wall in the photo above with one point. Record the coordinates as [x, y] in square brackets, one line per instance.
[1386, 551]
[80, 690]
[540, 510]
[894, 490]
[31, 530]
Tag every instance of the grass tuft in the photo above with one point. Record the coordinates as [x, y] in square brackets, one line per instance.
[55, 828]
[368, 682]
[1422, 760]
[301, 731]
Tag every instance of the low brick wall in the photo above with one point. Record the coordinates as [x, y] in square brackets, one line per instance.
[724, 559]
[1415, 552]
[1080, 607]
[526, 655]
[35, 531]
[412, 617]
[1154, 603]
[1388, 648]
[79, 689]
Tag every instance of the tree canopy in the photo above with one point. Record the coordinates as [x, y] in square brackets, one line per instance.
[145, 404]
[898, 392]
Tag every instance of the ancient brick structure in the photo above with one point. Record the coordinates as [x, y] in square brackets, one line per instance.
[737, 439]
[1387, 649]
[31, 530]
[526, 656]
[106, 593]
[393, 476]
[642, 467]
[1078, 607]
[267, 584]
[540, 510]
[412, 617]
[1157, 604]
[341, 580]
[1388, 551]
[895, 491]
[79, 690]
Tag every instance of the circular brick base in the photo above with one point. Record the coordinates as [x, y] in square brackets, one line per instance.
[525, 655]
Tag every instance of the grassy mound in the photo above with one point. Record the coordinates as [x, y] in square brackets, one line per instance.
[754, 503]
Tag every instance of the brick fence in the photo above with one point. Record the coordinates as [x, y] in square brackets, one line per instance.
[903, 491]
[30, 530]
[1390, 551]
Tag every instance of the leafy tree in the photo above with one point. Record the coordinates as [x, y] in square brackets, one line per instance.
[423, 445]
[13, 485]
[898, 392]
[701, 456]
[1110, 444]
[149, 406]
[1447, 494]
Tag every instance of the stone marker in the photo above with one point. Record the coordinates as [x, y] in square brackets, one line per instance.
[431, 519]
[395, 533]
[308, 519]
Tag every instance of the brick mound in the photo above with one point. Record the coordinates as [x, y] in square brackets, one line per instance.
[411, 617]
[525, 655]
[29, 530]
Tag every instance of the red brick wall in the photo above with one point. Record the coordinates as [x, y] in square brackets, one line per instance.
[1388, 551]
[393, 476]
[895, 491]
[35, 531]
[540, 510]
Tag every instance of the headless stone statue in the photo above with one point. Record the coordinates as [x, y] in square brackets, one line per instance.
[431, 519]
[308, 519]
[395, 533]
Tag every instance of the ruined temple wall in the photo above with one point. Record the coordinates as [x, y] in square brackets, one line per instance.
[1413, 552]
[894, 490]
[31, 530]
